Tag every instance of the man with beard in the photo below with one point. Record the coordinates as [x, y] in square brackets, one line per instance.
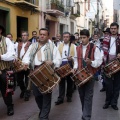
[111, 48]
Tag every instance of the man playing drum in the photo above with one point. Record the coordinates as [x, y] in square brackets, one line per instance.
[39, 52]
[111, 48]
[68, 54]
[88, 56]
[6, 56]
[22, 76]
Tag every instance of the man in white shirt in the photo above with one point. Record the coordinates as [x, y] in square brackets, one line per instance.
[96, 40]
[58, 37]
[36, 58]
[88, 56]
[106, 34]
[58, 40]
[6, 57]
[10, 36]
[111, 47]
[22, 76]
[68, 54]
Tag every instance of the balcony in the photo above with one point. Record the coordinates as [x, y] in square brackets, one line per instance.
[7, 1]
[75, 11]
[27, 4]
[55, 9]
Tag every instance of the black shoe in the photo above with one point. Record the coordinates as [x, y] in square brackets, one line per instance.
[69, 100]
[115, 107]
[22, 94]
[106, 106]
[26, 98]
[26, 95]
[10, 110]
[58, 102]
[82, 118]
[102, 90]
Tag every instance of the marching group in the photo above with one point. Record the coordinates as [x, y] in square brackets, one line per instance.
[79, 50]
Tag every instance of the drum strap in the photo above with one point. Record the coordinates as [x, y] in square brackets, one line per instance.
[39, 54]
[69, 48]
[89, 55]
[90, 51]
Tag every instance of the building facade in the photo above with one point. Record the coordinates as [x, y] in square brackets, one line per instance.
[57, 15]
[19, 15]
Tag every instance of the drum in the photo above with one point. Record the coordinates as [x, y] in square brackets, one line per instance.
[112, 67]
[18, 65]
[64, 70]
[81, 76]
[44, 78]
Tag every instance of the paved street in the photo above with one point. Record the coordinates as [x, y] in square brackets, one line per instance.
[67, 111]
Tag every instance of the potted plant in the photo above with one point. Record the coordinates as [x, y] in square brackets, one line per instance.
[56, 4]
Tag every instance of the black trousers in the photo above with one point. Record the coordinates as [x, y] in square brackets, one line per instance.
[86, 97]
[7, 99]
[112, 89]
[62, 88]
[103, 83]
[22, 79]
[43, 101]
[62, 84]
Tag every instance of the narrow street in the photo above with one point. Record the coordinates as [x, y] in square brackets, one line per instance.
[66, 111]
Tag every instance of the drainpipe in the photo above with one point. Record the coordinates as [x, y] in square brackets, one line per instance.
[41, 17]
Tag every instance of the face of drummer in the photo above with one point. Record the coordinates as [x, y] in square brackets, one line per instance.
[84, 36]
[43, 36]
[66, 38]
[25, 36]
[84, 39]
[114, 29]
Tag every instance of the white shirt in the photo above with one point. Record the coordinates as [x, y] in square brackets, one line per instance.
[33, 40]
[22, 52]
[10, 54]
[56, 56]
[112, 46]
[58, 43]
[15, 44]
[97, 56]
[96, 42]
[65, 55]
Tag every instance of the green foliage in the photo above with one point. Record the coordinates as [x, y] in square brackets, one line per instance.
[57, 3]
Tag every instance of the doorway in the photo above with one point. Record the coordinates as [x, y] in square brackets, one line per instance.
[4, 20]
[22, 25]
